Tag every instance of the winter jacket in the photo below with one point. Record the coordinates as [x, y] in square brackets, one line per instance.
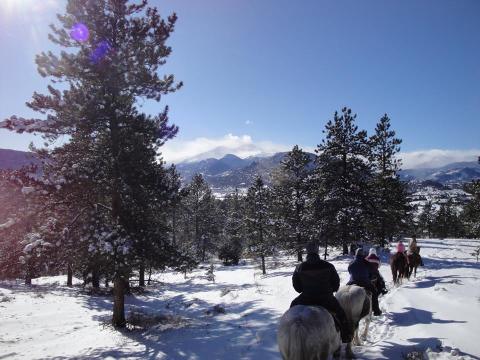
[374, 261]
[360, 271]
[413, 247]
[315, 277]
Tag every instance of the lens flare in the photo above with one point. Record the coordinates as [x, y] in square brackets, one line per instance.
[101, 50]
[79, 32]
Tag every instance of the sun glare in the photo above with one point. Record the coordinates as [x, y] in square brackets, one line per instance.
[10, 7]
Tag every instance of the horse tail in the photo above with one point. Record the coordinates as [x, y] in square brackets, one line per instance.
[295, 347]
[305, 333]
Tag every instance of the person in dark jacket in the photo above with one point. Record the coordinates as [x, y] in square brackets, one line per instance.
[361, 274]
[316, 281]
[374, 262]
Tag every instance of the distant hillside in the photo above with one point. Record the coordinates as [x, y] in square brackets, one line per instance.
[12, 159]
[232, 172]
[451, 174]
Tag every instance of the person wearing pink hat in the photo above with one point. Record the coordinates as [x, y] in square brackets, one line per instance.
[401, 249]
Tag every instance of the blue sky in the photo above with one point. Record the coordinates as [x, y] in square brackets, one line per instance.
[262, 75]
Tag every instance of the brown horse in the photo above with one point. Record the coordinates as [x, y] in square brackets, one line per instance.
[399, 266]
[414, 260]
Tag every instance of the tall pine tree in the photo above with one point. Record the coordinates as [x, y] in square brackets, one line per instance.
[292, 196]
[258, 221]
[388, 194]
[342, 181]
[114, 53]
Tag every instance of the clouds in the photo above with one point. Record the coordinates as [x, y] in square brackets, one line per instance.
[178, 150]
[202, 148]
[436, 157]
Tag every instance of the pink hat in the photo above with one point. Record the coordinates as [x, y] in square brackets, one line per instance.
[400, 247]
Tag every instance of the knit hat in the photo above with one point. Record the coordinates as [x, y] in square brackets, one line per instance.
[312, 248]
[372, 251]
[359, 252]
[400, 247]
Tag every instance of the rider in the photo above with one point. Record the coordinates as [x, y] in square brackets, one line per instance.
[374, 261]
[401, 250]
[361, 275]
[414, 249]
[316, 281]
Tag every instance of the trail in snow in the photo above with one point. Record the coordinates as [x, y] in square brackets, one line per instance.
[440, 309]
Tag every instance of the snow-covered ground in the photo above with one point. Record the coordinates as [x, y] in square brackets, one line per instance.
[440, 310]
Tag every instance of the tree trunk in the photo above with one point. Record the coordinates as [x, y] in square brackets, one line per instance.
[325, 254]
[299, 256]
[174, 229]
[106, 282]
[28, 274]
[345, 248]
[263, 265]
[69, 275]
[141, 281]
[118, 319]
[95, 280]
[149, 275]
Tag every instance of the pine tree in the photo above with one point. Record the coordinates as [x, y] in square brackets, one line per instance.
[115, 51]
[292, 196]
[258, 221]
[201, 217]
[447, 221]
[471, 211]
[342, 182]
[426, 219]
[388, 193]
[232, 240]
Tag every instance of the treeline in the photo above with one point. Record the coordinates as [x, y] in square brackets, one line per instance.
[449, 220]
[350, 192]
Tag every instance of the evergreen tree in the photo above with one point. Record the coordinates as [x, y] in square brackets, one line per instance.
[426, 219]
[115, 51]
[292, 197]
[232, 242]
[258, 221]
[342, 182]
[201, 217]
[447, 221]
[471, 211]
[388, 193]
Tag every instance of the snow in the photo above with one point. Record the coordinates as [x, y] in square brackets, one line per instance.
[7, 224]
[438, 312]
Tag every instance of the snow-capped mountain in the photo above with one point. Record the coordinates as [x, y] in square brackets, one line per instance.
[231, 171]
[451, 174]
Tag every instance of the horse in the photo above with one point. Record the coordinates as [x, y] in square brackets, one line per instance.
[399, 266]
[414, 261]
[357, 304]
[308, 333]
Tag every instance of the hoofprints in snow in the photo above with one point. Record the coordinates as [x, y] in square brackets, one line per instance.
[440, 310]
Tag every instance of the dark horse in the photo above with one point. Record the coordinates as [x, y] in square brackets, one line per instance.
[414, 260]
[399, 266]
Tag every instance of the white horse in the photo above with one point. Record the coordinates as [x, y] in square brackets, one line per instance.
[357, 304]
[308, 333]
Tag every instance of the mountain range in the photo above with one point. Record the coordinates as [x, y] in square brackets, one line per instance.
[230, 171]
